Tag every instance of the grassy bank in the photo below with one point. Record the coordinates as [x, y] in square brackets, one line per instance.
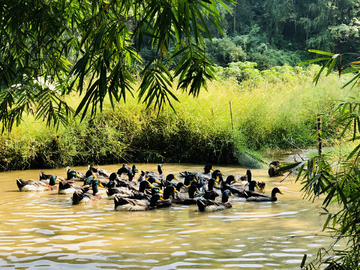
[270, 109]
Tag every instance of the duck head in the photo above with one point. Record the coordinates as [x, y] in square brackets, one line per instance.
[253, 185]
[212, 184]
[226, 195]
[160, 169]
[70, 174]
[275, 191]
[216, 174]
[134, 169]
[52, 180]
[208, 168]
[188, 179]
[169, 191]
[179, 186]
[170, 177]
[231, 179]
[145, 185]
[90, 176]
[152, 180]
[193, 189]
[154, 198]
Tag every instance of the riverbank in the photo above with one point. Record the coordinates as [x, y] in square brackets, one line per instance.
[228, 124]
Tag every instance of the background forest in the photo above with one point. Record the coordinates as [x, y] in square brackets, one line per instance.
[275, 32]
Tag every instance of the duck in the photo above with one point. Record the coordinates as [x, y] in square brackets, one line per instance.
[124, 169]
[169, 180]
[68, 187]
[100, 173]
[81, 197]
[113, 189]
[208, 168]
[145, 185]
[170, 192]
[89, 177]
[32, 185]
[127, 204]
[159, 175]
[273, 166]
[43, 176]
[211, 206]
[230, 179]
[73, 174]
[259, 187]
[141, 177]
[266, 198]
[210, 193]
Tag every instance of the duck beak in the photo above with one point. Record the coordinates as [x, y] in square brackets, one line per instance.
[78, 175]
[101, 185]
[187, 186]
[176, 178]
[236, 181]
[232, 195]
[216, 185]
[198, 191]
[151, 185]
[160, 191]
[157, 181]
[175, 190]
[161, 198]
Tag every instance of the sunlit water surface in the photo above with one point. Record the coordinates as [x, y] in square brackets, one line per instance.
[41, 230]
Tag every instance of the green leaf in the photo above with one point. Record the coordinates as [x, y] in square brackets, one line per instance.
[321, 52]
[353, 152]
[313, 60]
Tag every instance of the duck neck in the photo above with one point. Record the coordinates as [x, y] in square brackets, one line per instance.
[52, 180]
[95, 187]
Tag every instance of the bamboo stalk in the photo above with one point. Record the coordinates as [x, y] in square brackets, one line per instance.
[231, 114]
[319, 134]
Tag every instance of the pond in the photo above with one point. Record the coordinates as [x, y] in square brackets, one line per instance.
[42, 230]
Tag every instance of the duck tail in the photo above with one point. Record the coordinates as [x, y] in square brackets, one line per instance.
[201, 205]
[119, 201]
[77, 197]
[20, 183]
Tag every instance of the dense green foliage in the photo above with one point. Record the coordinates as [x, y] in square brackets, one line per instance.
[271, 109]
[91, 48]
[275, 32]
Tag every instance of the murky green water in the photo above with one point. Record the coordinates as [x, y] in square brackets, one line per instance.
[44, 230]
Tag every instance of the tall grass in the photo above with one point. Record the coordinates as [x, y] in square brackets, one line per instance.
[275, 109]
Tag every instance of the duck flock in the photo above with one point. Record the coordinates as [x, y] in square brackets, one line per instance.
[152, 190]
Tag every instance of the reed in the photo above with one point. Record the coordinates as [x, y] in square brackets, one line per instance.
[276, 109]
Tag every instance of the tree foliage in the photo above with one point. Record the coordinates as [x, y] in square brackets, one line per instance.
[275, 32]
[50, 49]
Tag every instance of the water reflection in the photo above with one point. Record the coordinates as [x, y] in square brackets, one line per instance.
[43, 230]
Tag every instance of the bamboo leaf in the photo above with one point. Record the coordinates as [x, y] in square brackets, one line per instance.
[321, 52]
[313, 60]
